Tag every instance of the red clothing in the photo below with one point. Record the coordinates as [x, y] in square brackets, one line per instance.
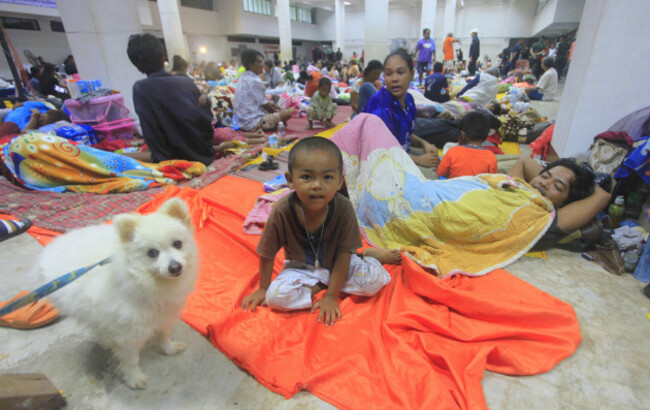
[464, 160]
[448, 48]
[312, 85]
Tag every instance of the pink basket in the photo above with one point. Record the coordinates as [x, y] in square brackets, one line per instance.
[116, 130]
[99, 110]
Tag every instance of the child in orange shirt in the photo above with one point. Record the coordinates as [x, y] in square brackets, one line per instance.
[469, 157]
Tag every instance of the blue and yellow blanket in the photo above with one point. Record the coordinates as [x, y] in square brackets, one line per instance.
[468, 225]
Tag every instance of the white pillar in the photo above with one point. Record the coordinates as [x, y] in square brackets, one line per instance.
[339, 10]
[98, 33]
[170, 20]
[284, 26]
[450, 17]
[592, 101]
[428, 19]
[376, 33]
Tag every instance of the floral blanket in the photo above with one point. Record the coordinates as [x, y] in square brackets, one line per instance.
[468, 225]
[49, 163]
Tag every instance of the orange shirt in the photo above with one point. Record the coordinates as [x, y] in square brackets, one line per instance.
[312, 86]
[448, 48]
[464, 160]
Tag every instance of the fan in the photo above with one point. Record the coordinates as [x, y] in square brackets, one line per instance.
[30, 57]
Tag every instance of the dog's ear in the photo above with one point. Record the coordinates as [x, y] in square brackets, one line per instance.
[125, 225]
[177, 208]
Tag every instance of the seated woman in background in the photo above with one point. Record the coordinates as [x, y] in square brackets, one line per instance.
[396, 107]
[48, 83]
[547, 84]
[362, 90]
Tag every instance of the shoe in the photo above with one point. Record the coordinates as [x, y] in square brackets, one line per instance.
[18, 226]
[34, 315]
[269, 165]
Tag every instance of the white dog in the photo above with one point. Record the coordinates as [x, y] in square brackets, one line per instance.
[154, 265]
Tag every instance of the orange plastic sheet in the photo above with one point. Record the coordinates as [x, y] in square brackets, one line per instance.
[422, 342]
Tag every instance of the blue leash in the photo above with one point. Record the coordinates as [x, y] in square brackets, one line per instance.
[50, 287]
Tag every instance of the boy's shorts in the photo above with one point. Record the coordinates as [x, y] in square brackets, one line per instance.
[270, 121]
[424, 67]
[535, 95]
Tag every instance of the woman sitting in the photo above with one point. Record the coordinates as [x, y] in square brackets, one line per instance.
[396, 107]
[365, 88]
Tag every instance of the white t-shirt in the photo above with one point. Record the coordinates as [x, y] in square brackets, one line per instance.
[547, 84]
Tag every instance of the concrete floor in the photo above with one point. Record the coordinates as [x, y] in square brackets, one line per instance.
[610, 369]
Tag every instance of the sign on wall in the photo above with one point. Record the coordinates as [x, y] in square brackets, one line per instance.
[36, 3]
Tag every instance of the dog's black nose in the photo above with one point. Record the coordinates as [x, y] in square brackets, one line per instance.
[175, 268]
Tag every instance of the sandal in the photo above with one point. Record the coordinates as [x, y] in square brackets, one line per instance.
[34, 315]
[268, 164]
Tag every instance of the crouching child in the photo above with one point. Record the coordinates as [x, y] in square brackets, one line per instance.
[318, 230]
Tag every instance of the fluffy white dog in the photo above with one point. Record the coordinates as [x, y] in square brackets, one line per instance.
[154, 265]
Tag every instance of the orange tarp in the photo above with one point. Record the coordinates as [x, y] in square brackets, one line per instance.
[422, 342]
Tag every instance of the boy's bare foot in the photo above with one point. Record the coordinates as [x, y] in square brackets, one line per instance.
[317, 288]
[385, 256]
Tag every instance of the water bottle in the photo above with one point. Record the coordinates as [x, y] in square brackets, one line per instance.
[282, 133]
[616, 211]
[234, 123]
[273, 141]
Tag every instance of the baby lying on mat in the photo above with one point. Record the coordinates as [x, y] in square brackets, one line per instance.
[318, 229]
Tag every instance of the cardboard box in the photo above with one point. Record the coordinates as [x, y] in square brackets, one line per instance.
[29, 391]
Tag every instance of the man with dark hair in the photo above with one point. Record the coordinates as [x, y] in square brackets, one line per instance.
[174, 125]
[572, 190]
[436, 87]
[474, 52]
[252, 108]
[536, 54]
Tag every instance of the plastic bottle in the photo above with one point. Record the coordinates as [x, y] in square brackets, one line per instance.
[616, 211]
[273, 141]
[282, 133]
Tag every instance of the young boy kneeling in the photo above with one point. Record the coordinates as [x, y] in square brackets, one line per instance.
[469, 157]
[318, 229]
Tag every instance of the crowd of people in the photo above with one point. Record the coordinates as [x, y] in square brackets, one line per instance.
[188, 130]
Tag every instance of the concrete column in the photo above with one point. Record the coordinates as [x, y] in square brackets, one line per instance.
[376, 33]
[284, 26]
[592, 101]
[170, 20]
[339, 10]
[450, 18]
[428, 18]
[98, 32]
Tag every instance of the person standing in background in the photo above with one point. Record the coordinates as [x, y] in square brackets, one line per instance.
[448, 50]
[426, 49]
[474, 52]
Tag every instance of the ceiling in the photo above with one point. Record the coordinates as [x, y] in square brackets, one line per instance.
[357, 5]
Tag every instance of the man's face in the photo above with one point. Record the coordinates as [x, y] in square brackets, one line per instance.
[258, 66]
[554, 184]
